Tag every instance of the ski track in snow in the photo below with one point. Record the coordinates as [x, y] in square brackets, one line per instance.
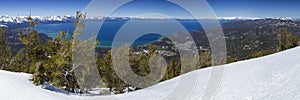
[273, 77]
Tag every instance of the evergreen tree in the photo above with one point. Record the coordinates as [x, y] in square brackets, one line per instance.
[205, 59]
[5, 50]
[286, 40]
[58, 68]
[31, 41]
[18, 64]
[171, 70]
[109, 76]
[262, 53]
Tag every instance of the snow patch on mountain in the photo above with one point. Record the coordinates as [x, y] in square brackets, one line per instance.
[254, 18]
[69, 18]
[238, 18]
[2, 25]
[21, 19]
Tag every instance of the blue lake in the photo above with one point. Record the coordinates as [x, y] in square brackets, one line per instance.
[110, 28]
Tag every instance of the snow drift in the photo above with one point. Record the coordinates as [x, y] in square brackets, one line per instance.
[273, 77]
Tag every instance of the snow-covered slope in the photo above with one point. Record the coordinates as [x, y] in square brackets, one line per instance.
[274, 77]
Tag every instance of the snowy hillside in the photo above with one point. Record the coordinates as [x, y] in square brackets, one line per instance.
[274, 77]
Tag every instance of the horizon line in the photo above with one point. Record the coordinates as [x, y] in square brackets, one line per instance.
[226, 17]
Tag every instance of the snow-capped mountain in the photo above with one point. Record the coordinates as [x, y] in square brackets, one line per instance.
[11, 21]
[2, 25]
[238, 18]
[68, 18]
[22, 19]
[254, 18]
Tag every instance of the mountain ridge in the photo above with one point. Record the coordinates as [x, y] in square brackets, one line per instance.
[68, 18]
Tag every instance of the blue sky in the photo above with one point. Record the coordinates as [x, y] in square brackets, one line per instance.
[222, 8]
[257, 8]
[42, 7]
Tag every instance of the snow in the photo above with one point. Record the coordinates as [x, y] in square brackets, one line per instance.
[253, 18]
[2, 25]
[273, 77]
[238, 18]
[21, 19]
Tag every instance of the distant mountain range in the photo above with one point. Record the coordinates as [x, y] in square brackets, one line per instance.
[44, 19]
[254, 18]
[7, 20]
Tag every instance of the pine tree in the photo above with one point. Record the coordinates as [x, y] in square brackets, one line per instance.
[171, 70]
[58, 68]
[205, 59]
[108, 74]
[262, 53]
[31, 41]
[18, 64]
[286, 40]
[5, 50]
